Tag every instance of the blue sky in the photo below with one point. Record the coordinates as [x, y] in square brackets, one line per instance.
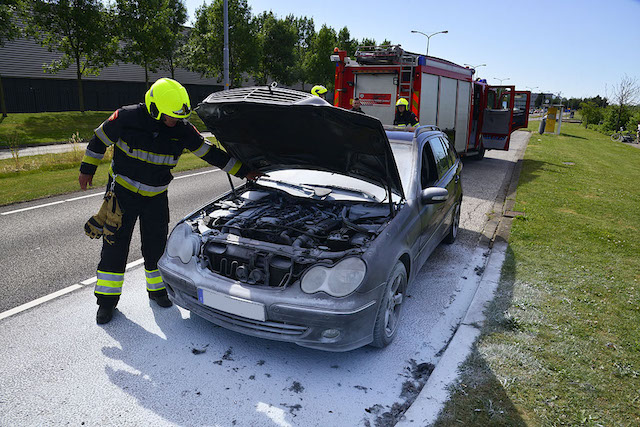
[578, 48]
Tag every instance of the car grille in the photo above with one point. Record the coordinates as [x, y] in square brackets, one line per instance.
[258, 94]
[272, 328]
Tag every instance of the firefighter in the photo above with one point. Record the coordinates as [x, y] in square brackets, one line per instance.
[319, 90]
[404, 117]
[148, 138]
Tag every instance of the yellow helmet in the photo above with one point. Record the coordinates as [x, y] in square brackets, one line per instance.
[318, 90]
[167, 96]
[402, 101]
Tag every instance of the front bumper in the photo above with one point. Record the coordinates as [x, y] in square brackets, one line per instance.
[320, 322]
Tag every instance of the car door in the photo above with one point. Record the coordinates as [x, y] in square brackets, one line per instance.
[445, 175]
[427, 212]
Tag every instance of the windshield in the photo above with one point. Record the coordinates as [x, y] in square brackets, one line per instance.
[324, 185]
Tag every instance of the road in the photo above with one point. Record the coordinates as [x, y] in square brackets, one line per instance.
[45, 249]
[156, 366]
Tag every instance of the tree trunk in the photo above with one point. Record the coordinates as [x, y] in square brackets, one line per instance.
[146, 74]
[80, 91]
[3, 106]
[172, 68]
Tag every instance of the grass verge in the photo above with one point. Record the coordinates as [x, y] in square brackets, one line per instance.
[53, 174]
[561, 345]
[43, 128]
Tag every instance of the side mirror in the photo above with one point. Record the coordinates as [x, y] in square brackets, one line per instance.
[432, 195]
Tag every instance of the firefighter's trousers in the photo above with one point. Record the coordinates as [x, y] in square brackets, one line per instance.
[154, 225]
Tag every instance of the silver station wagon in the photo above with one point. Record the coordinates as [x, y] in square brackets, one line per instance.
[319, 251]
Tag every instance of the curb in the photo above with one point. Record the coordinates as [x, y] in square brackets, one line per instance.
[435, 393]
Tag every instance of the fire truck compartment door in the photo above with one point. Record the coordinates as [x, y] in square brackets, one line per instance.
[521, 110]
[496, 128]
[377, 93]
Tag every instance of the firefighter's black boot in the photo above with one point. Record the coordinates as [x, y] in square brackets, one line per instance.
[161, 298]
[106, 307]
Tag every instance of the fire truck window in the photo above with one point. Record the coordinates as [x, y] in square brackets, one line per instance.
[440, 156]
[428, 173]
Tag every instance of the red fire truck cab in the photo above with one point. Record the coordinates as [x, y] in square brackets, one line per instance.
[474, 115]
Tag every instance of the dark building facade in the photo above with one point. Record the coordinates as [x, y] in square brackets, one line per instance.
[28, 89]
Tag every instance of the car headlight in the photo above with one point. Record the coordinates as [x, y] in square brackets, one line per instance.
[338, 281]
[182, 243]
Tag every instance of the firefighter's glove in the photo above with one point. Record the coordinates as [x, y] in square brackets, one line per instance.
[113, 220]
[94, 228]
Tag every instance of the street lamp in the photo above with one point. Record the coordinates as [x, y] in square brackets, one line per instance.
[428, 36]
[474, 67]
[501, 80]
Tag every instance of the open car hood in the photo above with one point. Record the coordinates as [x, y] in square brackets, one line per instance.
[270, 128]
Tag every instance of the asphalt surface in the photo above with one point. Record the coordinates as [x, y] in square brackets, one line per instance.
[45, 249]
[157, 366]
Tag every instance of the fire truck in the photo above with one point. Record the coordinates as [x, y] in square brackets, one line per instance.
[475, 115]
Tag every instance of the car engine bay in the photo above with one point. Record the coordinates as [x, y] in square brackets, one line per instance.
[268, 237]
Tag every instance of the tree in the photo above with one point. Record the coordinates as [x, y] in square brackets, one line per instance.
[320, 68]
[146, 25]
[306, 34]
[81, 30]
[624, 94]
[368, 42]
[591, 113]
[9, 30]
[277, 49]
[172, 40]
[203, 52]
[345, 42]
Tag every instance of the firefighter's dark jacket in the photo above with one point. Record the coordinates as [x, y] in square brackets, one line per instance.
[146, 150]
[406, 118]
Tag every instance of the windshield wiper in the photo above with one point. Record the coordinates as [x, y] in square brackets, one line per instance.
[350, 190]
[312, 189]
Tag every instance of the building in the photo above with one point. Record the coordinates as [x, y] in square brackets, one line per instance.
[28, 89]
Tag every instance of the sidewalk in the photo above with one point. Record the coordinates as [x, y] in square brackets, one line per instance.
[62, 147]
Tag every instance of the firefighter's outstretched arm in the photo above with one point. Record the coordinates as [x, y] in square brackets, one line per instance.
[216, 157]
[105, 135]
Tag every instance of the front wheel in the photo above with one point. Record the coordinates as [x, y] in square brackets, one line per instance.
[388, 316]
[616, 137]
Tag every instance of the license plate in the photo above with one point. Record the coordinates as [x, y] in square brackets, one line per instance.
[233, 305]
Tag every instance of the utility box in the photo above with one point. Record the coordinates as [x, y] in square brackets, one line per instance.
[554, 117]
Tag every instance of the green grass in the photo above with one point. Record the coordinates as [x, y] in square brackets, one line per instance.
[46, 175]
[43, 128]
[561, 345]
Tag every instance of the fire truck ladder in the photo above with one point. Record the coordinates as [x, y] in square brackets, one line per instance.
[406, 76]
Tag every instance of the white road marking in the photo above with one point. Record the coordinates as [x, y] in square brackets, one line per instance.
[59, 293]
[197, 173]
[73, 199]
[39, 301]
[85, 197]
[33, 207]
[94, 279]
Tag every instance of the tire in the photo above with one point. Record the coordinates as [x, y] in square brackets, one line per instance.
[388, 317]
[455, 225]
[616, 137]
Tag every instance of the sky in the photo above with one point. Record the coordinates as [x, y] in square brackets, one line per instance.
[575, 48]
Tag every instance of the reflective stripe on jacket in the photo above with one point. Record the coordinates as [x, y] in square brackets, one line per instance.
[146, 150]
